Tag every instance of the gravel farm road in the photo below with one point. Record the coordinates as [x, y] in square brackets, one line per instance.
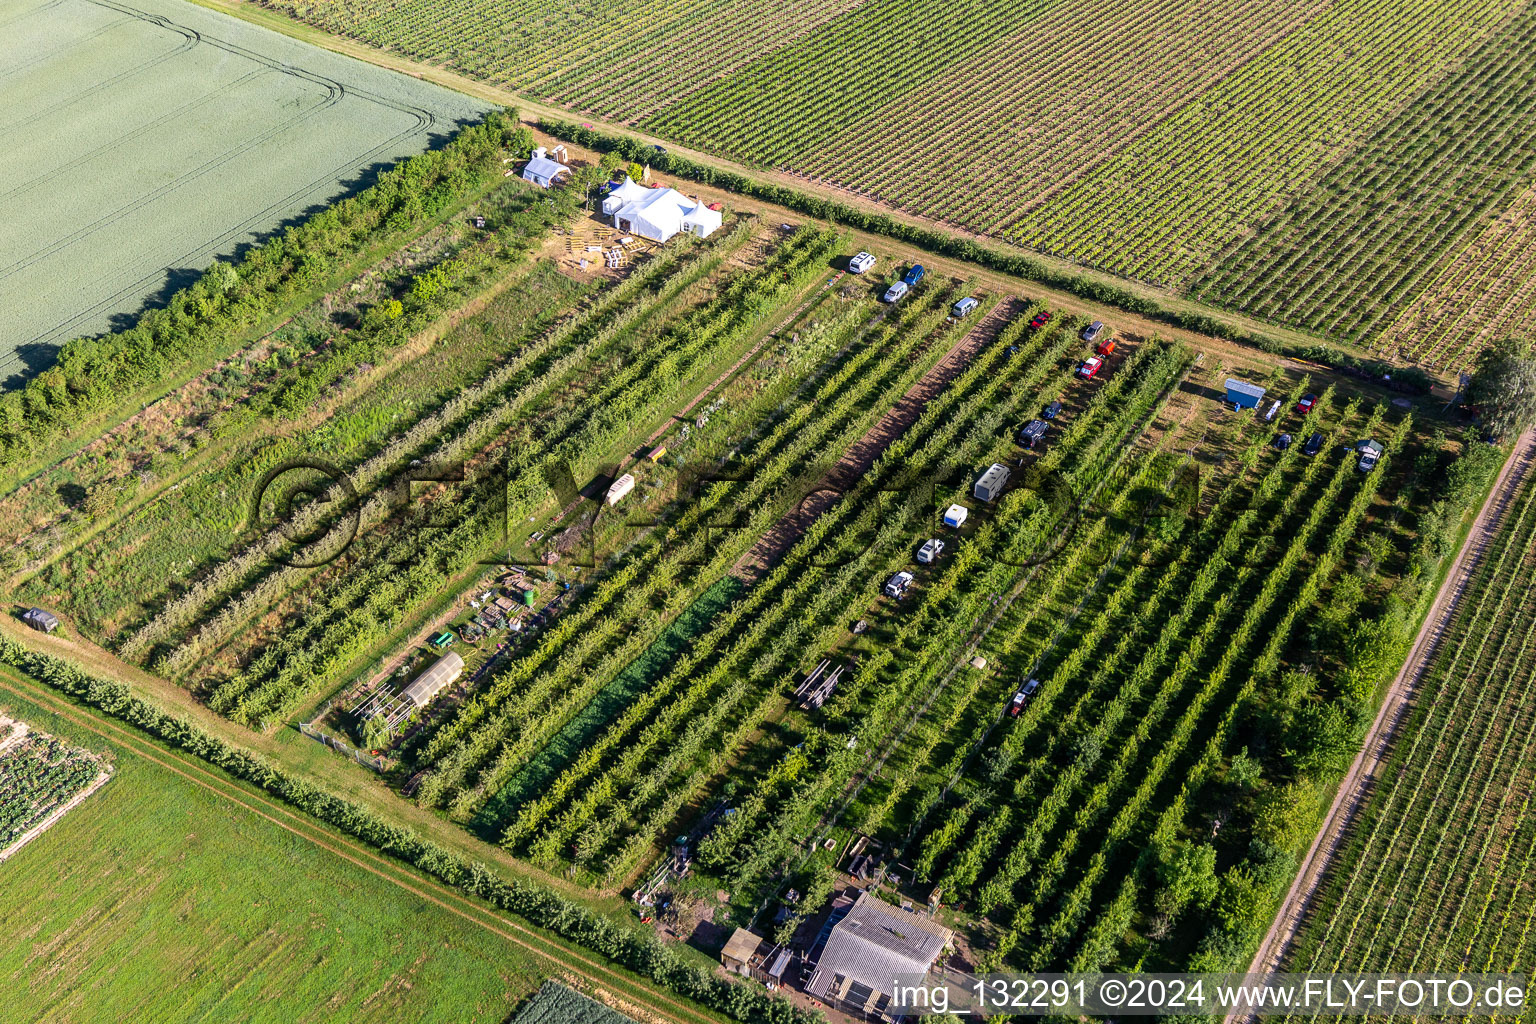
[1357, 785]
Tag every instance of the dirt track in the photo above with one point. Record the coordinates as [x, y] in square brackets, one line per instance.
[1358, 784]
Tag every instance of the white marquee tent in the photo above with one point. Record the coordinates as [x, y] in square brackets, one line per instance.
[658, 213]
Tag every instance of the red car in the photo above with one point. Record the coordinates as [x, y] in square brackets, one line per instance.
[1040, 320]
[1307, 403]
[1025, 694]
[1090, 367]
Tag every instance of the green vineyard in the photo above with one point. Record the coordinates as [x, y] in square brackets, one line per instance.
[1358, 170]
[1454, 801]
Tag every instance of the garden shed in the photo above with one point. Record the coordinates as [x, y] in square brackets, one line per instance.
[744, 952]
[1243, 394]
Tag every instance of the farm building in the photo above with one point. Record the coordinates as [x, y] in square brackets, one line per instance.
[955, 515]
[743, 952]
[431, 682]
[991, 484]
[660, 213]
[1244, 395]
[620, 487]
[752, 956]
[542, 171]
[870, 947]
[43, 622]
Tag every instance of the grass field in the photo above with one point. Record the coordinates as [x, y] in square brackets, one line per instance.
[1234, 151]
[1437, 872]
[158, 900]
[144, 139]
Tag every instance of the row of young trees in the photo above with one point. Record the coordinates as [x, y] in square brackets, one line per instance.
[393, 571]
[728, 678]
[876, 361]
[893, 685]
[184, 628]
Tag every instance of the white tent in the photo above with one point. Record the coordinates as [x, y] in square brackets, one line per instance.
[660, 213]
[701, 220]
[543, 171]
[624, 192]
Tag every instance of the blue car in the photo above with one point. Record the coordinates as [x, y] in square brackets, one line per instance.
[914, 275]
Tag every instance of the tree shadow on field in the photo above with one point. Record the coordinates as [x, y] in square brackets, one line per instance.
[33, 360]
[176, 278]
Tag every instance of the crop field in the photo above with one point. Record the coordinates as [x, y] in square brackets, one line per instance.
[39, 776]
[144, 140]
[1244, 154]
[1399, 209]
[1152, 668]
[555, 1003]
[158, 899]
[636, 352]
[1436, 873]
[666, 532]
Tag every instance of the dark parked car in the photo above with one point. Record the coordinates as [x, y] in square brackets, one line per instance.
[1032, 433]
[1051, 411]
[1283, 442]
[1314, 445]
